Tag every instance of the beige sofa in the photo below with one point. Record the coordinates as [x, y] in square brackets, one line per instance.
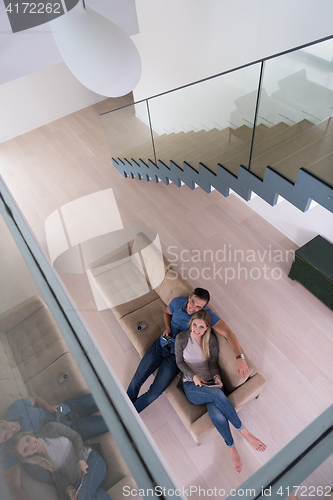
[33, 359]
[148, 308]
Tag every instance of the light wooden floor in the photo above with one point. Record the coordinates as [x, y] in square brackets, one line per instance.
[285, 330]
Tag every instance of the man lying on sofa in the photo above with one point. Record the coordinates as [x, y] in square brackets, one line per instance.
[162, 353]
[33, 413]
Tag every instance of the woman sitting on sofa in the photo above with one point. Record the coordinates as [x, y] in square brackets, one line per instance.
[197, 352]
[61, 451]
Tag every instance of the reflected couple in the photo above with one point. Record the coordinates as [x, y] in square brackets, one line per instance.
[32, 415]
[60, 450]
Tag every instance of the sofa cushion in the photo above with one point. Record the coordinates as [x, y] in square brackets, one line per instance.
[53, 391]
[36, 343]
[227, 363]
[121, 284]
[151, 315]
[187, 411]
[12, 386]
[173, 286]
[19, 313]
[10, 391]
[34, 489]
[113, 457]
[132, 305]
[155, 266]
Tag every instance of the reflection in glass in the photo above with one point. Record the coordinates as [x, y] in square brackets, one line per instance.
[128, 133]
[296, 105]
[88, 234]
[37, 373]
[210, 122]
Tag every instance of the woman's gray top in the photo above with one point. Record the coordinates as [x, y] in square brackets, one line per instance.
[65, 447]
[192, 362]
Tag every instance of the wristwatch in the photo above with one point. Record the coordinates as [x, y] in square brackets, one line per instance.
[240, 356]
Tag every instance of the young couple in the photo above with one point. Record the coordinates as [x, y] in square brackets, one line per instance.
[57, 456]
[195, 353]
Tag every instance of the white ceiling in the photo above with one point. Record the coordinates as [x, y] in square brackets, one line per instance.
[32, 50]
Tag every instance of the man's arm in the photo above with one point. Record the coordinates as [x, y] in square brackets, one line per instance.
[13, 481]
[41, 403]
[222, 328]
[167, 321]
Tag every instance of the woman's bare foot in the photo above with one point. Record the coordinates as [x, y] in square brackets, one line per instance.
[254, 442]
[236, 460]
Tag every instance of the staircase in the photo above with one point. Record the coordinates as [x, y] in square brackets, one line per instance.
[295, 161]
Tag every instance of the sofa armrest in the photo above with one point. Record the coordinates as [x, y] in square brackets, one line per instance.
[116, 464]
[126, 485]
[248, 391]
[202, 427]
[35, 489]
[120, 253]
[196, 418]
[17, 314]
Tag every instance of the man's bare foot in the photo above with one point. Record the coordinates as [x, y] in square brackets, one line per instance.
[236, 460]
[254, 442]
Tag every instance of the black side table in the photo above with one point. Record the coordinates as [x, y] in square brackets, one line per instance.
[313, 268]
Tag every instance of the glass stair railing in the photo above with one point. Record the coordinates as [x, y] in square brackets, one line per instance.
[47, 347]
[265, 128]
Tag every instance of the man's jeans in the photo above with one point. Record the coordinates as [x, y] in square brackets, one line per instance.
[78, 411]
[156, 356]
[96, 472]
[220, 409]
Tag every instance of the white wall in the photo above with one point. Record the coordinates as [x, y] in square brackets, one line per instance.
[299, 227]
[39, 98]
[35, 85]
[33, 49]
[181, 41]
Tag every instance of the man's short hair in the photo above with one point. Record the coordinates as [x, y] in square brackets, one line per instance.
[202, 294]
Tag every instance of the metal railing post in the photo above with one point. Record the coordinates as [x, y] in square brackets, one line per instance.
[151, 132]
[256, 111]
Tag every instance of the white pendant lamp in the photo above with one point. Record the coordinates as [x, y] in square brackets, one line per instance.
[98, 53]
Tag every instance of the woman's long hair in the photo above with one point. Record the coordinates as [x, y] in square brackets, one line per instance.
[37, 459]
[204, 339]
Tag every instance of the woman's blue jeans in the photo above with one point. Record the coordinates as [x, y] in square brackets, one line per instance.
[220, 409]
[96, 473]
[156, 356]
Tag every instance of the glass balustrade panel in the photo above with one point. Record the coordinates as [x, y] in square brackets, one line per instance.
[209, 122]
[43, 357]
[128, 133]
[296, 105]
